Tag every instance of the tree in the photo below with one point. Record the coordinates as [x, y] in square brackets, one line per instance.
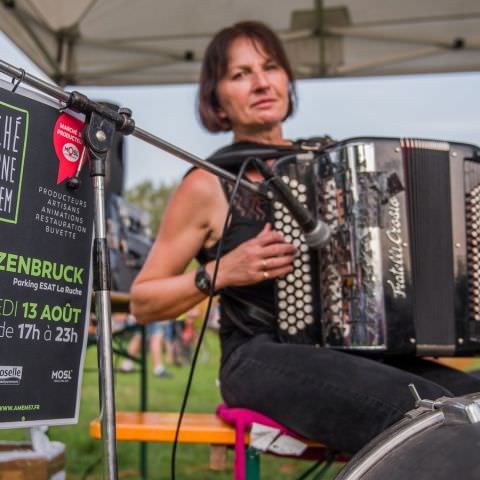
[153, 199]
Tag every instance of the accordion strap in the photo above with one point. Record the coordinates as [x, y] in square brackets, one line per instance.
[232, 156]
[249, 309]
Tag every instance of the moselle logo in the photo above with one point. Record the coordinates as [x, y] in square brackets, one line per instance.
[61, 376]
[10, 375]
[71, 152]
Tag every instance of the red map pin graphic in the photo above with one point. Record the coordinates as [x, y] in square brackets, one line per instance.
[67, 140]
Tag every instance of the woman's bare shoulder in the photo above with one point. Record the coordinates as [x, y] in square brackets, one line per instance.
[201, 184]
[194, 200]
[186, 223]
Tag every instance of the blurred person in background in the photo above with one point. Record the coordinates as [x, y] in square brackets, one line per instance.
[160, 341]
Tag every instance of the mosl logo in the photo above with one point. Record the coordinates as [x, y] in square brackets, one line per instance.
[61, 376]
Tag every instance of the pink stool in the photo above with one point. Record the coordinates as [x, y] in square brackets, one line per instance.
[243, 419]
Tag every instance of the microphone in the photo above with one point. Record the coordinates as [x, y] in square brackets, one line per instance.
[316, 233]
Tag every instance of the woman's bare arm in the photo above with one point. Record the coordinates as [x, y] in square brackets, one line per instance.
[163, 290]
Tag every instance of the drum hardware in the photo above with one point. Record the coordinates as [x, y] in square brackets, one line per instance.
[454, 409]
[428, 404]
[447, 427]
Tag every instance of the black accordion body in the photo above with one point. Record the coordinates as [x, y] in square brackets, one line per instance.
[400, 273]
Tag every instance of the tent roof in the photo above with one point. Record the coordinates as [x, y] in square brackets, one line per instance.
[124, 42]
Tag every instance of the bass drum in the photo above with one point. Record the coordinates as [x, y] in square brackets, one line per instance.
[438, 440]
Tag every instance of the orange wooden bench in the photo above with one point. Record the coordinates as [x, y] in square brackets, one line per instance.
[202, 428]
[459, 363]
[160, 427]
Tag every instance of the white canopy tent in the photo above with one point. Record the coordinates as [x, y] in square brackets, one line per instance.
[124, 42]
[140, 42]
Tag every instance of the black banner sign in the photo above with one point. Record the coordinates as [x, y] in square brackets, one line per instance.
[45, 257]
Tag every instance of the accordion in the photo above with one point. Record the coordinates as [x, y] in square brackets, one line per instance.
[400, 273]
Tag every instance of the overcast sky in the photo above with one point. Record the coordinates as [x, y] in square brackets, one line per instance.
[442, 106]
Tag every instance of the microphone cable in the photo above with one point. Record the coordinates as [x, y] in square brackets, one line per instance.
[205, 318]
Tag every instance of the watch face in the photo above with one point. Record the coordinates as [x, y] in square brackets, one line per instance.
[202, 280]
[203, 283]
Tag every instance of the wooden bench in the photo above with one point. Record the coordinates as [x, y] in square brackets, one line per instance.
[196, 428]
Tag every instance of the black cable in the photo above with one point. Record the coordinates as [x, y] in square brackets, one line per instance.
[325, 463]
[90, 468]
[310, 470]
[206, 316]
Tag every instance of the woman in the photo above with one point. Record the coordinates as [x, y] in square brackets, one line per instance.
[342, 400]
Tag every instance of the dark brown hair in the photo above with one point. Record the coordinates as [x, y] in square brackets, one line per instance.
[215, 64]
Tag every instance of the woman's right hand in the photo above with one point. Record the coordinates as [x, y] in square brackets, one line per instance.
[263, 257]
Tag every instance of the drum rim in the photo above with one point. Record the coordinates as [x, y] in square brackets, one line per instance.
[382, 445]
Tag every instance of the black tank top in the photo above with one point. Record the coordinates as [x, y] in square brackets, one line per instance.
[250, 213]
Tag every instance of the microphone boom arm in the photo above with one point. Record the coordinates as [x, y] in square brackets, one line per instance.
[122, 119]
[101, 123]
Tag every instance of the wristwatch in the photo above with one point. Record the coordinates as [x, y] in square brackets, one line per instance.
[202, 280]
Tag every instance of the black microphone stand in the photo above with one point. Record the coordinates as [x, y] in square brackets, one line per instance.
[101, 124]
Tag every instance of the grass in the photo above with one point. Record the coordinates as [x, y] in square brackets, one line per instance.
[164, 394]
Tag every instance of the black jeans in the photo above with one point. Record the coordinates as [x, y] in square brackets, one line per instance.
[337, 398]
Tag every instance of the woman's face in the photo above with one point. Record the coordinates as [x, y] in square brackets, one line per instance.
[253, 94]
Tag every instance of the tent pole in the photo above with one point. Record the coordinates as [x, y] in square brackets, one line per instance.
[320, 27]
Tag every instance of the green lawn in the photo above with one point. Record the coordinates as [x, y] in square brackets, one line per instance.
[84, 454]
